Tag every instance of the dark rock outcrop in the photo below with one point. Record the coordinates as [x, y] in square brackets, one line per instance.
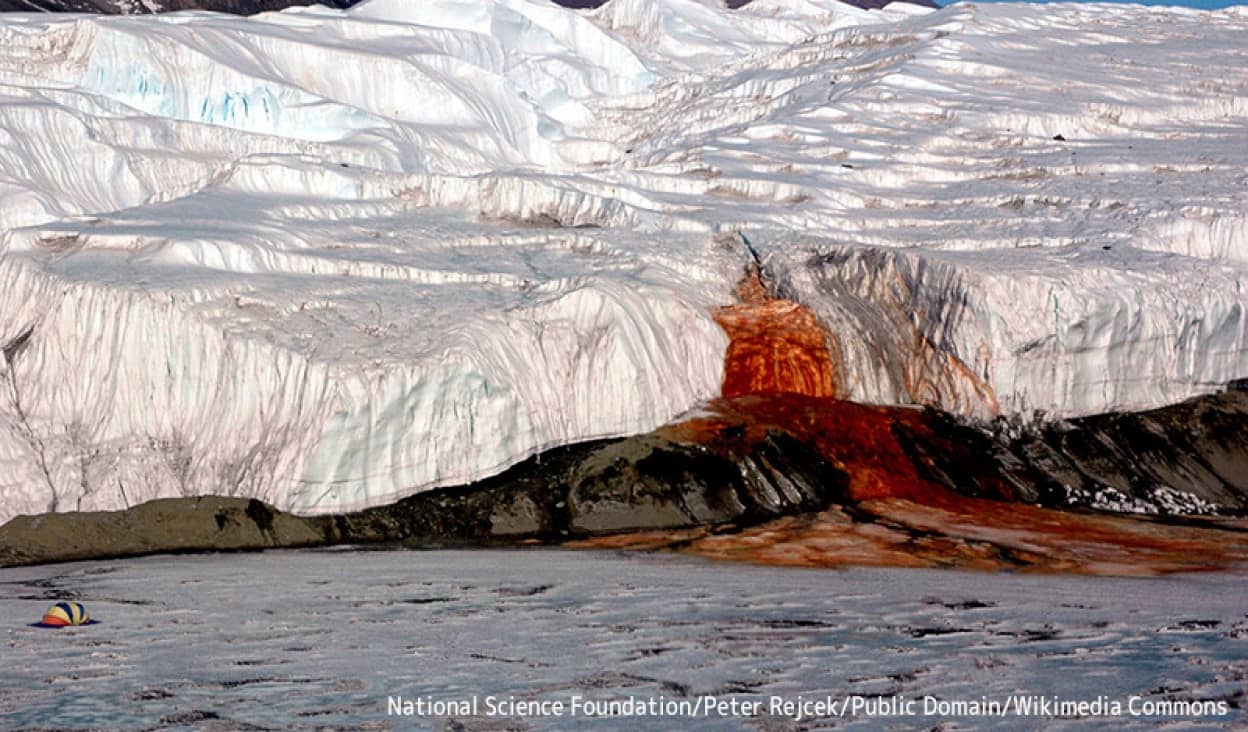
[1191, 457]
[639, 483]
[209, 523]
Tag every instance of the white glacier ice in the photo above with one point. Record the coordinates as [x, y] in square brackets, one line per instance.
[332, 258]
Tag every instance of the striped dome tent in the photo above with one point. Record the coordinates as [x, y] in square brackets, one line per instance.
[66, 613]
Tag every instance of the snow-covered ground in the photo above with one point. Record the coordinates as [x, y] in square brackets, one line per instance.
[331, 258]
[303, 640]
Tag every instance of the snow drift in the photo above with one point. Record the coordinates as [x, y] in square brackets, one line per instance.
[331, 258]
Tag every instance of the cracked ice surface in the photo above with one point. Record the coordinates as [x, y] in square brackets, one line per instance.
[331, 258]
[296, 640]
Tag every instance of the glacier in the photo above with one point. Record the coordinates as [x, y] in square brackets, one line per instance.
[332, 258]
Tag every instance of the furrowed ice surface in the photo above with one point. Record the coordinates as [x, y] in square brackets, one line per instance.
[330, 258]
[292, 640]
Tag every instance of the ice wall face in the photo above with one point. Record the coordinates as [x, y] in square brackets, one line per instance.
[332, 258]
[985, 229]
[334, 381]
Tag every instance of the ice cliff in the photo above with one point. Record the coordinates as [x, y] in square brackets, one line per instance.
[332, 258]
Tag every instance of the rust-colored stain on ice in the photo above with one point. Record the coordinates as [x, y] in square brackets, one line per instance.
[775, 346]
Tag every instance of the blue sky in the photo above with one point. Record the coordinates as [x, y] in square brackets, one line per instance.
[1203, 4]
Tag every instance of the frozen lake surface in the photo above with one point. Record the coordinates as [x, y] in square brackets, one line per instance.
[321, 639]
